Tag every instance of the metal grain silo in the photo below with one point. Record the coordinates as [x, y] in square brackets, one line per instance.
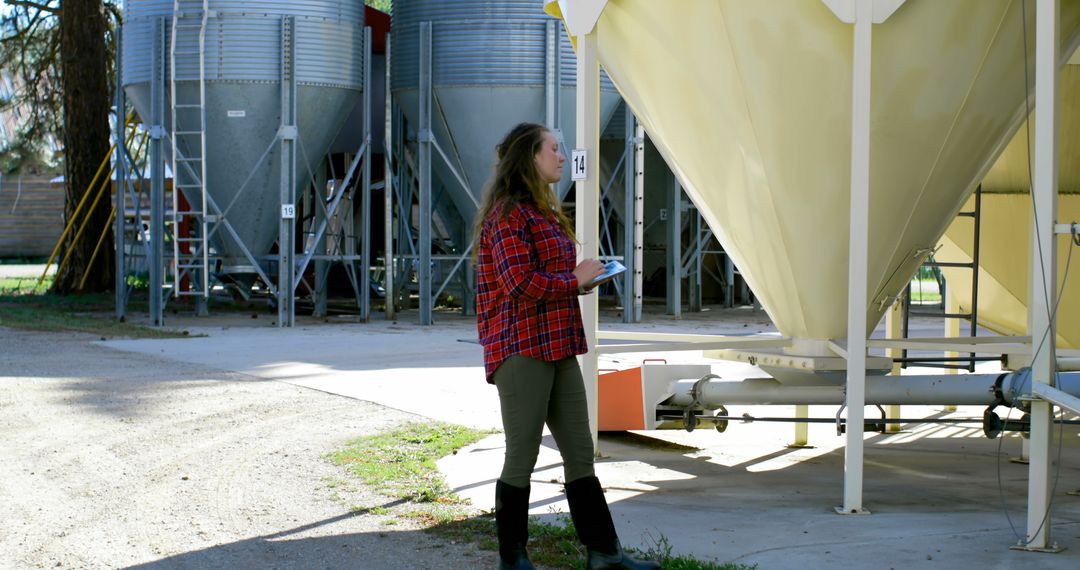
[243, 66]
[489, 63]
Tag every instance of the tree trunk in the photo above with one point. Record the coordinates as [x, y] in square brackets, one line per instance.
[86, 144]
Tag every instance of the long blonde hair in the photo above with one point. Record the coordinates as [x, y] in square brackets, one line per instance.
[517, 180]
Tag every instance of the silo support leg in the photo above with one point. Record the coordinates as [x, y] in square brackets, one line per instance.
[424, 143]
[1043, 274]
[894, 329]
[587, 195]
[802, 429]
[858, 258]
[952, 330]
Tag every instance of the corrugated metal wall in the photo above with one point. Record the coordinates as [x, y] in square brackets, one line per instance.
[479, 43]
[242, 41]
[31, 216]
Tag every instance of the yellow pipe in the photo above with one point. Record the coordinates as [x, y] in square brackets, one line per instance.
[78, 209]
[82, 228]
[97, 248]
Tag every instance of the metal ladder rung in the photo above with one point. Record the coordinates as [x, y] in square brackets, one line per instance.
[188, 106]
[186, 133]
[186, 159]
[189, 266]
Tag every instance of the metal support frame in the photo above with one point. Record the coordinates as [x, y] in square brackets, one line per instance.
[287, 135]
[1043, 284]
[362, 160]
[691, 265]
[316, 203]
[157, 176]
[424, 144]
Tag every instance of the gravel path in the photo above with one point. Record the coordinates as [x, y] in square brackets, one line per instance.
[112, 459]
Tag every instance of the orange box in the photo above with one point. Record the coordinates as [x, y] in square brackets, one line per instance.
[620, 402]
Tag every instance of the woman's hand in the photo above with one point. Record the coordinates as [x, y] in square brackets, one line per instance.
[588, 270]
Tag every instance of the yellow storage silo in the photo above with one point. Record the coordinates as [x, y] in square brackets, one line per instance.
[750, 104]
[1005, 232]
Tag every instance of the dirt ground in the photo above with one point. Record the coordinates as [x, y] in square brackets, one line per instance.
[112, 459]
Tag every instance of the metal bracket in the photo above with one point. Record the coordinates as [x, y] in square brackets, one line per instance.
[157, 132]
[288, 133]
[580, 16]
[844, 10]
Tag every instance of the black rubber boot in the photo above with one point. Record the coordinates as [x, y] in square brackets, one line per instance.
[512, 526]
[592, 519]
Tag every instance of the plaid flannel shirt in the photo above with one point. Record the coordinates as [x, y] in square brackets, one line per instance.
[526, 301]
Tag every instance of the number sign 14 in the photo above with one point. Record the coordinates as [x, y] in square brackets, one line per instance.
[578, 164]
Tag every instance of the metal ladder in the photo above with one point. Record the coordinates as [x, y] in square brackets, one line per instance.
[187, 50]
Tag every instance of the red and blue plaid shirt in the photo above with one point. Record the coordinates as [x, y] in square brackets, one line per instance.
[526, 292]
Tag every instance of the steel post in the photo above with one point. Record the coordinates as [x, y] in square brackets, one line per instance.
[1043, 282]
[286, 296]
[674, 248]
[120, 185]
[893, 330]
[858, 258]
[157, 177]
[693, 265]
[639, 217]
[365, 189]
[629, 216]
[388, 195]
[587, 196]
[424, 166]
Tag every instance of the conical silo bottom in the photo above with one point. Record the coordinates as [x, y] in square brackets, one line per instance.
[244, 159]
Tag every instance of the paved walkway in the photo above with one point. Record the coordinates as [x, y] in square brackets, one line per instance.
[942, 496]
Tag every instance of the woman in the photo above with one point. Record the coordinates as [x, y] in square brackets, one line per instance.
[530, 326]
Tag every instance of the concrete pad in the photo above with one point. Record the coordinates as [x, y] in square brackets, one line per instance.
[942, 496]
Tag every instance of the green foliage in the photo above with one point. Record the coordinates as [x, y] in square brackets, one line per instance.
[28, 308]
[380, 5]
[30, 53]
[402, 463]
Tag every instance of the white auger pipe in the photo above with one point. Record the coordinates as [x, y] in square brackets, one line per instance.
[965, 389]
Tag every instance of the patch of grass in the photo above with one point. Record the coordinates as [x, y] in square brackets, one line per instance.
[23, 260]
[24, 285]
[401, 463]
[90, 313]
[555, 545]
